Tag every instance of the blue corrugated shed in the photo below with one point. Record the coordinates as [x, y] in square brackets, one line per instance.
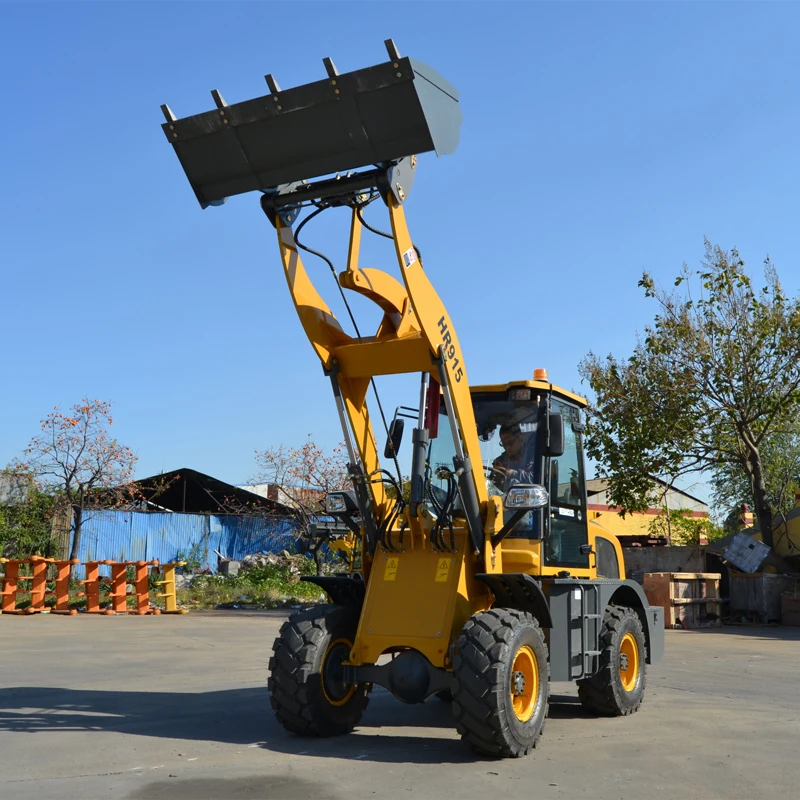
[134, 536]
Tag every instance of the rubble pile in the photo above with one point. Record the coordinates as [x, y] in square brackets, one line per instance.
[291, 562]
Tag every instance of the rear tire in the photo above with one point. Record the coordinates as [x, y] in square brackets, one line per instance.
[618, 687]
[502, 683]
[306, 690]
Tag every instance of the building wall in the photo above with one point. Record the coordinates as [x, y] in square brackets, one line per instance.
[641, 560]
[675, 500]
[632, 524]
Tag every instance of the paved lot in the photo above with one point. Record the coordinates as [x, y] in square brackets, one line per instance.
[175, 707]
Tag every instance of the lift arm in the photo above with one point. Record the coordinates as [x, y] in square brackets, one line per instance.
[379, 116]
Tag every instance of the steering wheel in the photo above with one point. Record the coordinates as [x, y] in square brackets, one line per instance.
[494, 478]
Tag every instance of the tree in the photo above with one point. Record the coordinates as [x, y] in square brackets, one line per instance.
[708, 383]
[25, 516]
[75, 456]
[678, 526]
[780, 458]
[302, 476]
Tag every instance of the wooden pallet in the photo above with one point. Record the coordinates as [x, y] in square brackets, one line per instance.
[689, 599]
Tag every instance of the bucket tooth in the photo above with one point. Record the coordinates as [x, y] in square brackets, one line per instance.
[330, 67]
[272, 83]
[167, 112]
[391, 49]
[218, 99]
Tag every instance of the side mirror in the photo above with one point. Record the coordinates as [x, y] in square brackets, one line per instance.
[555, 429]
[395, 437]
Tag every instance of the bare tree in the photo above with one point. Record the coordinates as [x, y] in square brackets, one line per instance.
[75, 456]
[302, 476]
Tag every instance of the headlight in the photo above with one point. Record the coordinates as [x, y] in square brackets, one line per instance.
[526, 497]
[340, 503]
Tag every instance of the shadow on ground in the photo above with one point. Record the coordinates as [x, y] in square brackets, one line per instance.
[244, 717]
[256, 787]
[780, 633]
[233, 716]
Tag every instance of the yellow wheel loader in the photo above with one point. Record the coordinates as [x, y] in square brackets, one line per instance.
[486, 580]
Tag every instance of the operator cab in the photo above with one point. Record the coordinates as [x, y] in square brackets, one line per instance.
[512, 421]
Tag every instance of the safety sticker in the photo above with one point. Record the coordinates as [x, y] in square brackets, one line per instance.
[442, 570]
[390, 573]
[409, 257]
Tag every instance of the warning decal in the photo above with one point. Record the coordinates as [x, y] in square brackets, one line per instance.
[409, 257]
[442, 570]
[390, 573]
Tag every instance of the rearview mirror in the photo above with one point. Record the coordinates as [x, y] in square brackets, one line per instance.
[395, 437]
[555, 429]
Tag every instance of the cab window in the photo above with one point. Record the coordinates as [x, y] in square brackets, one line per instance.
[567, 487]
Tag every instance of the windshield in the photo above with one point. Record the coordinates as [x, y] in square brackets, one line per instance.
[508, 441]
[507, 431]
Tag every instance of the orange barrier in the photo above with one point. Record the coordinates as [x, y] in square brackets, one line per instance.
[61, 590]
[141, 589]
[36, 585]
[10, 582]
[92, 587]
[13, 584]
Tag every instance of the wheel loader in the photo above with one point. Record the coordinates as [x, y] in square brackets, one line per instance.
[480, 578]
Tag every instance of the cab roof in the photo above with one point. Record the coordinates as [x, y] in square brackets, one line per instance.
[541, 386]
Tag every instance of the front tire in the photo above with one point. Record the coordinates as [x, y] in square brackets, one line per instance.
[502, 683]
[618, 687]
[307, 692]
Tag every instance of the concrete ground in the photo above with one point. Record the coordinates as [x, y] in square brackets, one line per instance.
[176, 707]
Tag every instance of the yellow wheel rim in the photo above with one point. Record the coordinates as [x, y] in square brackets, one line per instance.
[524, 683]
[336, 692]
[629, 662]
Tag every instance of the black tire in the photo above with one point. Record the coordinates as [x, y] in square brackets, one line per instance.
[306, 691]
[612, 693]
[446, 696]
[489, 718]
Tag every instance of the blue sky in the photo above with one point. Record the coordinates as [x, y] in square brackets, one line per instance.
[598, 140]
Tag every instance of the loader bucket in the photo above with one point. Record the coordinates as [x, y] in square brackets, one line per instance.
[373, 115]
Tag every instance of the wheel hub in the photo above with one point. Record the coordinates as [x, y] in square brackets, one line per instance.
[336, 690]
[629, 665]
[523, 682]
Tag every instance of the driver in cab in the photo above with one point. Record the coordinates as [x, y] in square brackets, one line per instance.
[512, 466]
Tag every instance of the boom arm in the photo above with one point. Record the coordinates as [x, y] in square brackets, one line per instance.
[416, 334]
[378, 116]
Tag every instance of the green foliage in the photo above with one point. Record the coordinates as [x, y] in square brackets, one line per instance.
[194, 557]
[270, 585]
[678, 526]
[780, 458]
[25, 519]
[705, 387]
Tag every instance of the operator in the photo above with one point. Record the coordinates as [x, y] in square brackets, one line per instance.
[512, 467]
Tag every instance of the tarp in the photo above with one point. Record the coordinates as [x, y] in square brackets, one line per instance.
[135, 536]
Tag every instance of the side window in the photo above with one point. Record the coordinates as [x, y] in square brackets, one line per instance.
[607, 563]
[567, 497]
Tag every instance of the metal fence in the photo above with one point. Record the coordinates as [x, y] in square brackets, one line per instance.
[135, 536]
